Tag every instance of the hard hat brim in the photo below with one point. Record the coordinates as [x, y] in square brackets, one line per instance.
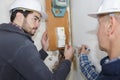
[95, 14]
[43, 14]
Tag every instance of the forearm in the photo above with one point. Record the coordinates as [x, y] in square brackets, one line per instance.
[63, 70]
[33, 68]
[87, 68]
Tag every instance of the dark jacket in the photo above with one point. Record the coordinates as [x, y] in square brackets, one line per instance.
[110, 70]
[20, 59]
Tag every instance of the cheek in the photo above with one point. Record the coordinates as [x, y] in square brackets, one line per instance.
[99, 33]
[30, 23]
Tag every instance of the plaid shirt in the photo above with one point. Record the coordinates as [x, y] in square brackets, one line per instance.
[87, 68]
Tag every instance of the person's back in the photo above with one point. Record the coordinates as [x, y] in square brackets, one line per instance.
[110, 69]
[10, 44]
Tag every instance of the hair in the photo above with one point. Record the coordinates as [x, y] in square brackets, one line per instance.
[115, 14]
[14, 12]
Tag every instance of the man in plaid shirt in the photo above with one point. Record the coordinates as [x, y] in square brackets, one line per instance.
[108, 16]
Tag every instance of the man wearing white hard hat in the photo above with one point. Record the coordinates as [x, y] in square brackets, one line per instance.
[19, 57]
[108, 16]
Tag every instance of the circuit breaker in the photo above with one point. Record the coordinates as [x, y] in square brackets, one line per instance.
[60, 37]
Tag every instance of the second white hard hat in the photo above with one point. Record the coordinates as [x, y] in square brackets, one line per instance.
[33, 5]
[107, 6]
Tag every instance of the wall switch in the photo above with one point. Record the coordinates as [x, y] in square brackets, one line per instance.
[60, 37]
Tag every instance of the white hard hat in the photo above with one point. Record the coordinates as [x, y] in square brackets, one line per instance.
[29, 5]
[107, 6]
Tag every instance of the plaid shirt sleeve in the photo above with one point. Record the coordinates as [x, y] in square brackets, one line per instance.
[87, 68]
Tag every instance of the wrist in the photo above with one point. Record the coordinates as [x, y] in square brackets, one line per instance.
[84, 53]
[70, 59]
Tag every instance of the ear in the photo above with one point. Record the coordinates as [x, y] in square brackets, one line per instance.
[19, 16]
[111, 25]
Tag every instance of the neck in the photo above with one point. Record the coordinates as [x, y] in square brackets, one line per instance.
[114, 55]
[114, 51]
[16, 25]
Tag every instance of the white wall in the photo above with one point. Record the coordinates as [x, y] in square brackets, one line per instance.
[4, 13]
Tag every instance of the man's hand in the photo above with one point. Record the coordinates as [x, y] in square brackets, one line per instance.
[83, 49]
[45, 41]
[69, 52]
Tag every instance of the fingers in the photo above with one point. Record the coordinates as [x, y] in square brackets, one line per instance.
[45, 36]
[45, 41]
[69, 52]
[83, 49]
